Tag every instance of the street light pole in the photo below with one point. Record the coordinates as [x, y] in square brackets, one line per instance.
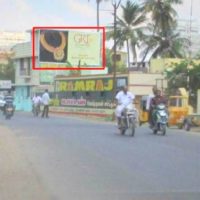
[115, 6]
[189, 66]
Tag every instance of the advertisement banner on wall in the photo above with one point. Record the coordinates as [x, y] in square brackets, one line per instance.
[93, 93]
[84, 49]
[69, 48]
[85, 85]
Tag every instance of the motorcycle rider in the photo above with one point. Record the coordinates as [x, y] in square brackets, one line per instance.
[9, 100]
[124, 98]
[148, 104]
[158, 99]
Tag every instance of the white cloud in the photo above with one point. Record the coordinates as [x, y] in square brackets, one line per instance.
[20, 16]
[81, 8]
[22, 6]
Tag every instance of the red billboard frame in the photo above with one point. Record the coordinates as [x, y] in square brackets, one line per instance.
[34, 67]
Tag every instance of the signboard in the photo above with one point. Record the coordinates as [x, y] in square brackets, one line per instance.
[69, 48]
[105, 113]
[5, 84]
[85, 85]
[89, 93]
[47, 76]
[84, 49]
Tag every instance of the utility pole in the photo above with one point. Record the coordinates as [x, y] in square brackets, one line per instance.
[189, 67]
[115, 6]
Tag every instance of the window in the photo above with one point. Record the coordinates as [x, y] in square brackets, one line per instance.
[28, 92]
[22, 69]
[25, 66]
[29, 67]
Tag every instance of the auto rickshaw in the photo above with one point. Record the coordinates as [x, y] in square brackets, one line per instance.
[143, 113]
[178, 108]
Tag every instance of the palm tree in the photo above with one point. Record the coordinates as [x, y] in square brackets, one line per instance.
[162, 14]
[172, 45]
[163, 18]
[129, 28]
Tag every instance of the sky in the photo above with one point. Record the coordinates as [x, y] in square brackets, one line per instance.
[21, 15]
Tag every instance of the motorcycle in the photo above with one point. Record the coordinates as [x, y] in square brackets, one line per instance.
[36, 109]
[128, 120]
[160, 118]
[9, 111]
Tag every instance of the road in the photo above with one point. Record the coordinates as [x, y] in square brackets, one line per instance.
[79, 159]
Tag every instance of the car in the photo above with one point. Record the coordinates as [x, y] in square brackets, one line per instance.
[2, 102]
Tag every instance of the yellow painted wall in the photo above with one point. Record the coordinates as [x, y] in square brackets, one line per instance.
[159, 65]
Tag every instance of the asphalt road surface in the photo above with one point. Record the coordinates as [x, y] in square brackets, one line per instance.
[78, 159]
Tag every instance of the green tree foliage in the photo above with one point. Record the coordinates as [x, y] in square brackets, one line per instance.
[163, 38]
[187, 75]
[7, 71]
[121, 66]
[129, 28]
[163, 15]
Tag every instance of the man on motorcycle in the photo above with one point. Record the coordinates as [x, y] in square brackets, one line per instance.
[124, 98]
[8, 99]
[158, 99]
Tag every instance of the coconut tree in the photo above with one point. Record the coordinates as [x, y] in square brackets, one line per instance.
[163, 22]
[129, 28]
[163, 15]
[172, 45]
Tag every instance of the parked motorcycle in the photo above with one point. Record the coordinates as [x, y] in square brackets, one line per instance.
[128, 120]
[160, 118]
[9, 111]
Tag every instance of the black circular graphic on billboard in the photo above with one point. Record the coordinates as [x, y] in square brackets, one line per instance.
[53, 46]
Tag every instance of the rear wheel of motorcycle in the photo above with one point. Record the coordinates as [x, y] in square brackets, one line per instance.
[7, 117]
[187, 125]
[122, 131]
[163, 129]
[132, 128]
[155, 131]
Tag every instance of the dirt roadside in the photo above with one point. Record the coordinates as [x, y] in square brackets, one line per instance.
[19, 181]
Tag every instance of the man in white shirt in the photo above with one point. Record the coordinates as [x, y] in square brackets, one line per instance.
[36, 100]
[124, 98]
[45, 101]
[36, 104]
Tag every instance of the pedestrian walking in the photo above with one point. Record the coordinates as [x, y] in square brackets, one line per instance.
[36, 100]
[45, 101]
